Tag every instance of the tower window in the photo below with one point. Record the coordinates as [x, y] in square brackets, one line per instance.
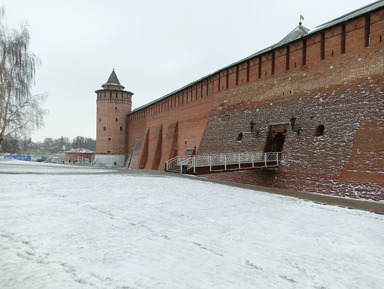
[105, 128]
[121, 128]
[99, 119]
[116, 119]
[109, 138]
[115, 107]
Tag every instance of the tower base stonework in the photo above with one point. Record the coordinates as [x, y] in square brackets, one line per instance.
[110, 160]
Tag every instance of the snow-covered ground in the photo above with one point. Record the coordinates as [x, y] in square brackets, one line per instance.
[14, 166]
[63, 229]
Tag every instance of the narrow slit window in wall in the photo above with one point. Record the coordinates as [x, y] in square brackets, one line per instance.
[367, 30]
[343, 35]
[320, 130]
[227, 79]
[304, 52]
[322, 51]
[287, 58]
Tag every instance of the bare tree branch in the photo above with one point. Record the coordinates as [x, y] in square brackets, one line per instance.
[20, 111]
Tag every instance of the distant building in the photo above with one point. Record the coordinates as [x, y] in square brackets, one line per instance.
[80, 155]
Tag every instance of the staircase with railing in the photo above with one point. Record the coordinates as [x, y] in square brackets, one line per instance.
[222, 162]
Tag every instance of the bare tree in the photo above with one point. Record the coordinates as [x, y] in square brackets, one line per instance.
[20, 111]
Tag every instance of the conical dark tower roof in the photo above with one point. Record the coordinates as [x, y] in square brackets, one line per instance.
[113, 80]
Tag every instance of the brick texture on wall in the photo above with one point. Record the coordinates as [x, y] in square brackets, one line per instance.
[331, 81]
[182, 126]
[348, 100]
[113, 104]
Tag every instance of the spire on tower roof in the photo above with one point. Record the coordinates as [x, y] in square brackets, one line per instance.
[113, 80]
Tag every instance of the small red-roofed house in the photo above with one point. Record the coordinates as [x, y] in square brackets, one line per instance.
[80, 155]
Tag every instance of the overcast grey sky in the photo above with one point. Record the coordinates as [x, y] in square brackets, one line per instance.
[155, 47]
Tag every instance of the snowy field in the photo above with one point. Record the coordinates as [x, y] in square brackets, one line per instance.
[70, 227]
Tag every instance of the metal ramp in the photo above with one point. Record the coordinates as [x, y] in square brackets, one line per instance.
[222, 162]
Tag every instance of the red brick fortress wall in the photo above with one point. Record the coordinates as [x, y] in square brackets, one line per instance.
[348, 159]
[331, 79]
[344, 92]
[169, 132]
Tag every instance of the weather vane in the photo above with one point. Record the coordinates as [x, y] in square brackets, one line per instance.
[301, 18]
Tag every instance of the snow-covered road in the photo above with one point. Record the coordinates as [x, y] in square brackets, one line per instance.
[69, 227]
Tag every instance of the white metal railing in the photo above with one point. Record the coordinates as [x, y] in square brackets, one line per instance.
[172, 163]
[257, 159]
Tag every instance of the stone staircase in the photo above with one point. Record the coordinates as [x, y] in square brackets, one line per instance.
[174, 169]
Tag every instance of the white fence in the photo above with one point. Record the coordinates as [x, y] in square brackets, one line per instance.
[256, 159]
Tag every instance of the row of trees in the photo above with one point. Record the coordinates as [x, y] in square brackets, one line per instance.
[21, 112]
[14, 145]
[64, 144]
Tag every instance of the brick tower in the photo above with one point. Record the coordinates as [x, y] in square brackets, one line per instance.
[113, 105]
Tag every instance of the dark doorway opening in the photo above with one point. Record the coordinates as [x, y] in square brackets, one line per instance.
[275, 142]
[276, 137]
[278, 142]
